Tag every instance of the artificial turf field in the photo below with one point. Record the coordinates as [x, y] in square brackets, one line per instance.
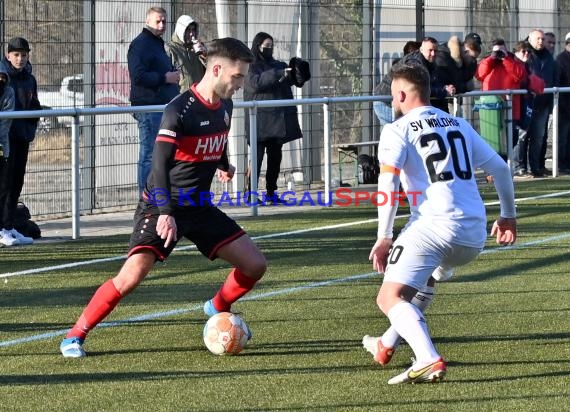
[502, 323]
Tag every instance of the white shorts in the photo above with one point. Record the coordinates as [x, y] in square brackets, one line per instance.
[417, 252]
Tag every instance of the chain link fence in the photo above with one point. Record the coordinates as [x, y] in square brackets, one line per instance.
[79, 58]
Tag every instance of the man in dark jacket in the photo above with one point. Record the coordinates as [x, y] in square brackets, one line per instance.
[22, 131]
[456, 62]
[270, 79]
[563, 67]
[153, 81]
[425, 56]
[543, 65]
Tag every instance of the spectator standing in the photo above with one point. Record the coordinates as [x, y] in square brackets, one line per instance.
[153, 81]
[501, 70]
[187, 53]
[383, 110]
[6, 104]
[424, 56]
[271, 79]
[456, 62]
[534, 85]
[543, 65]
[550, 45]
[190, 150]
[22, 131]
[550, 42]
[563, 67]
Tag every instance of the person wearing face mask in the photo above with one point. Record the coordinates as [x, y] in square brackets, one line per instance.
[153, 81]
[187, 53]
[271, 79]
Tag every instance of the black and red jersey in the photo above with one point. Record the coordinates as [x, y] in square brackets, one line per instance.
[190, 146]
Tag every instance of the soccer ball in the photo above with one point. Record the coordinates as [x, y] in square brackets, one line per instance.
[225, 334]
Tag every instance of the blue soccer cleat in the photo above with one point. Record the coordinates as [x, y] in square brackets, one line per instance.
[209, 309]
[72, 348]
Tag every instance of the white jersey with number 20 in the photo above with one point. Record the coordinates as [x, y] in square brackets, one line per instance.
[437, 154]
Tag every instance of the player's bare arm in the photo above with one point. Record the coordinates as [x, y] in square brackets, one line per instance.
[166, 229]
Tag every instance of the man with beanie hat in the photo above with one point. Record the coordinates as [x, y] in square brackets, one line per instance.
[153, 81]
[22, 133]
[187, 53]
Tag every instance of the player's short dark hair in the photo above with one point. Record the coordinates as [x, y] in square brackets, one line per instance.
[230, 48]
[416, 74]
[430, 39]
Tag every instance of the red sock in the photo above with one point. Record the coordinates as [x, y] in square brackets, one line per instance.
[101, 304]
[236, 285]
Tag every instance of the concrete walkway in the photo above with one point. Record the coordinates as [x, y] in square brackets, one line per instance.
[118, 223]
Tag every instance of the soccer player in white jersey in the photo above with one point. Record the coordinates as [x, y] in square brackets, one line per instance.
[434, 156]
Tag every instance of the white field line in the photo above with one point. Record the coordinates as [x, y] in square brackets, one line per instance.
[253, 296]
[256, 296]
[268, 236]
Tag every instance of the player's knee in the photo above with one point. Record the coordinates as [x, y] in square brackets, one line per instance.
[256, 267]
[381, 302]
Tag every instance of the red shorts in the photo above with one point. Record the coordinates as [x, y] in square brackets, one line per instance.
[207, 227]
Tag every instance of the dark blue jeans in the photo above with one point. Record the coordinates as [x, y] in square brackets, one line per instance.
[148, 123]
[564, 142]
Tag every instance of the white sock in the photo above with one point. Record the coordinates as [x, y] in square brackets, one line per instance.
[411, 325]
[422, 300]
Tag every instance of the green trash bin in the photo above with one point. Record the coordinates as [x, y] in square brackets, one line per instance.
[490, 121]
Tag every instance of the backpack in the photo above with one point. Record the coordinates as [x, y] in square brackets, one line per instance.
[23, 223]
[368, 169]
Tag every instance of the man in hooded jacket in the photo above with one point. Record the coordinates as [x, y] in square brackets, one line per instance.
[187, 53]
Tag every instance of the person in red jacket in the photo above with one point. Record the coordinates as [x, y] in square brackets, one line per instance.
[501, 70]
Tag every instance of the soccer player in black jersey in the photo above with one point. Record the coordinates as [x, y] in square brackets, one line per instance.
[191, 147]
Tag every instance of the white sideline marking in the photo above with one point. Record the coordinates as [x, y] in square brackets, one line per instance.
[271, 235]
[254, 296]
[156, 315]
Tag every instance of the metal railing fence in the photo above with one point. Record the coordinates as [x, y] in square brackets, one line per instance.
[75, 169]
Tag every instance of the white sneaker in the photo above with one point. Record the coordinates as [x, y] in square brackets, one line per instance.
[22, 240]
[7, 239]
[433, 373]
